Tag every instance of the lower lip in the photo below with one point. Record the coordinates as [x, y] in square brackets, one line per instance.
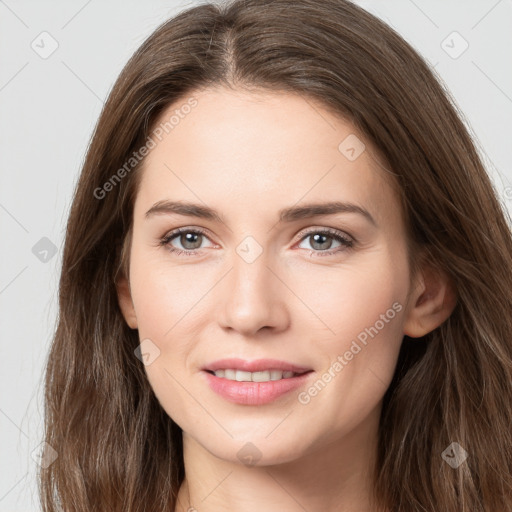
[254, 393]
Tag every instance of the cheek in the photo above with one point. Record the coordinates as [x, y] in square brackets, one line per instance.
[363, 308]
[166, 316]
[334, 305]
[343, 301]
[353, 312]
[166, 297]
[360, 310]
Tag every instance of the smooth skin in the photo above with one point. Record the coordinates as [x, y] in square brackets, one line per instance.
[248, 155]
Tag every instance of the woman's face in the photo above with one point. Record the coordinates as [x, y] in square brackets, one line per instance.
[263, 278]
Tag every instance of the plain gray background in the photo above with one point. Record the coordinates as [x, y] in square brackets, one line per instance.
[48, 109]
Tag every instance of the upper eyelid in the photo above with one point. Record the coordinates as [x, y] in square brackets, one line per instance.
[328, 230]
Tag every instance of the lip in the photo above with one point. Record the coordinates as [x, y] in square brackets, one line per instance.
[254, 393]
[257, 365]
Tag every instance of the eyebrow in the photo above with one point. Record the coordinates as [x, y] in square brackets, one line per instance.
[289, 214]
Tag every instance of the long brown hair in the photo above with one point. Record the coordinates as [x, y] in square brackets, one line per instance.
[117, 449]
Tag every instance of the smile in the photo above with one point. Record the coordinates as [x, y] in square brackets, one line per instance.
[261, 376]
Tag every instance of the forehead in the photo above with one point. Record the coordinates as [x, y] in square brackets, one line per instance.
[257, 150]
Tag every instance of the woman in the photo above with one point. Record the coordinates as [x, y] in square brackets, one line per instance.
[286, 283]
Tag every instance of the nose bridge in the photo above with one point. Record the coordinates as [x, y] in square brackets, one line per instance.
[252, 298]
[250, 269]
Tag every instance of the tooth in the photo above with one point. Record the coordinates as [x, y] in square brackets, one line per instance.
[230, 374]
[242, 376]
[276, 375]
[260, 376]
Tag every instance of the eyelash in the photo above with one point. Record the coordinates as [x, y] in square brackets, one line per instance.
[345, 241]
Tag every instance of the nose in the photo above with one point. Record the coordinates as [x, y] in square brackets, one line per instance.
[254, 297]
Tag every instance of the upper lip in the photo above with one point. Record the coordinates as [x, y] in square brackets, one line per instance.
[257, 365]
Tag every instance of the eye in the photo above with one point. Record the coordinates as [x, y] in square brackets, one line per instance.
[322, 241]
[190, 239]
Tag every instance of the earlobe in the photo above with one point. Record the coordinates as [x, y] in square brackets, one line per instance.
[125, 302]
[432, 303]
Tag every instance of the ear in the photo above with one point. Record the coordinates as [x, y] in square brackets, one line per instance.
[431, 303]
[125, 302]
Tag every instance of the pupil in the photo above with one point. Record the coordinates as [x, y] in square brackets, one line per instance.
[189, 238]
[316, 241]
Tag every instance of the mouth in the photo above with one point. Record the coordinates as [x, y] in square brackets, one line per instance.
[240, 369]
[233, 374]
[256, 382]
[254, 392]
